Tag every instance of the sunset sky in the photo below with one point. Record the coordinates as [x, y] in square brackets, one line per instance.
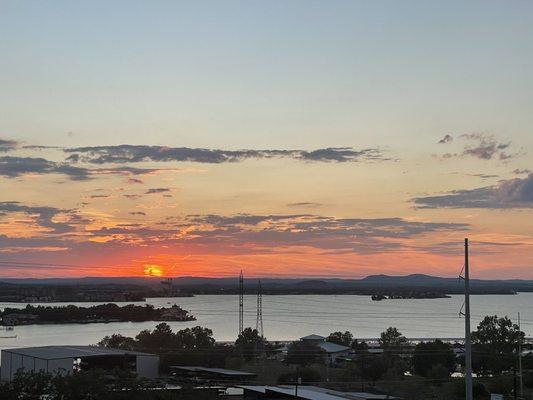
[284, 138]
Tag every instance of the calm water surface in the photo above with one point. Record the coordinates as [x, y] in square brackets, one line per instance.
[293, 316]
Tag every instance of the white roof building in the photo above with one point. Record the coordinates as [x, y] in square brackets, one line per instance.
[68, 359]
[332, 350]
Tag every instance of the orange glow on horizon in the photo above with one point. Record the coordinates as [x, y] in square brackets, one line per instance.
[153, 270]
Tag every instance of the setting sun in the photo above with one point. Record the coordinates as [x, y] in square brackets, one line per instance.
[153, 270]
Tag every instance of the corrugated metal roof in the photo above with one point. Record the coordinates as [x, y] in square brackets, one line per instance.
[313, 337]
[317, 393]
[61, 352]
[219, 371]
[329, 347]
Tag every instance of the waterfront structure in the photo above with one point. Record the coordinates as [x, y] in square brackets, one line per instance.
[70, 359]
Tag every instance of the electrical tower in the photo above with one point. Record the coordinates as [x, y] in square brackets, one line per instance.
[241, 303]
[259, 321]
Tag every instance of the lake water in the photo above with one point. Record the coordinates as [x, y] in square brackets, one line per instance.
[292, 316]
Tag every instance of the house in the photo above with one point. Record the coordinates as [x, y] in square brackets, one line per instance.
[70, 359]
[333, 352]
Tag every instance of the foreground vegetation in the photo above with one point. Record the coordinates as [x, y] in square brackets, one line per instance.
[421, 371]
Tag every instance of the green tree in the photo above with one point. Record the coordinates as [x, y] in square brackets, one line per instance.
[495, 345]
[392, 339]
[304, 353]
[160, 339]
[343, 339]
[117, 341]
[429, 354]
[30, 385]
[195, 338]
[250, 344]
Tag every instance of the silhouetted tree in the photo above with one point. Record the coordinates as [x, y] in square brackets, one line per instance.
[117, 341]
[429, 354]
[195, 338]
[343, 339]
[160, 339]
[249, 343]
[495, 345]
[392, 339]
[304, 353]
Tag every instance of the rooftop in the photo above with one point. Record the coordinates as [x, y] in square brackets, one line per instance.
[62, 352]
[317, 393]
[313, 337]
[217, 371]
[329, 347]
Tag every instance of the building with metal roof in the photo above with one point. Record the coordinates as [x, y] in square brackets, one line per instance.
[212, 374]
[70, 359]
[258, 392]
[332, 351]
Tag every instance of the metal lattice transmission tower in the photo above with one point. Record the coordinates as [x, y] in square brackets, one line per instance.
[241, 303]
[259, 320]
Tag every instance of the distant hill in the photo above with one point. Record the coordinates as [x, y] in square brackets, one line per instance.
[369, 284]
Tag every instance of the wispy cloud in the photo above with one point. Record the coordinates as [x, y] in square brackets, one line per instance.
[157, 190]
[12, 167]
[485, 147]
[446, 139]
[138, 153]
[8, 145]
[305, 204]
[512, 193]
[480, 145]
[45, 215]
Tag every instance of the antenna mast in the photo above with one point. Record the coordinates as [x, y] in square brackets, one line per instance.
[241, 303]
[259, 321]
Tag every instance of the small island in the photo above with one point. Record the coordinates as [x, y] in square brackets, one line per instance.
[411, 294]
[31, 315]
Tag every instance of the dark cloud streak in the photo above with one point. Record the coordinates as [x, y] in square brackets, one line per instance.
[512, 193]
[138, 153]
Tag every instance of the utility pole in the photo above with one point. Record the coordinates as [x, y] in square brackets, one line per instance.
[259, 320]
[521, 381]
[298, 382]
[241, 303]
[515, 386]
[468, 341]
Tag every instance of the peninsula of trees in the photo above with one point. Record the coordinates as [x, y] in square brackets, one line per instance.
[101, 313]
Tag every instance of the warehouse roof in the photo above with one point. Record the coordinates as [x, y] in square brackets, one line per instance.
[217, 371]
[317, 393]
[61, 352]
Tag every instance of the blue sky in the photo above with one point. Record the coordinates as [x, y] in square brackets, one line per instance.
[285, 73]
[430, 100]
